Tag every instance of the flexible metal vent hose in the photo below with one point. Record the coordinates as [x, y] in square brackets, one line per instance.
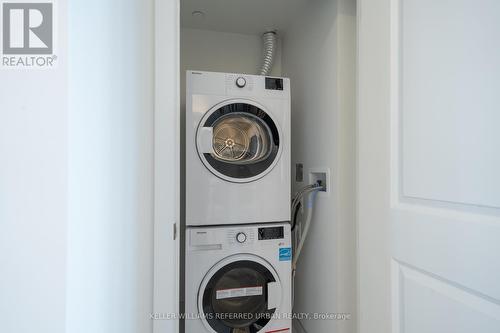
[269, 39]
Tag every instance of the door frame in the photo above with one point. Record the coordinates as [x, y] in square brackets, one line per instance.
[373, 166]
[167, 161]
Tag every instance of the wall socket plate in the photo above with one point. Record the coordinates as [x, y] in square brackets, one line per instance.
[320, 174]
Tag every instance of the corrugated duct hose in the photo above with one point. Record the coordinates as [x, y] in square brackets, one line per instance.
[269, 39]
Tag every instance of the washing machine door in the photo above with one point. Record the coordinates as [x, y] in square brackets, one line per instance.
[239, 141]
[239, 295]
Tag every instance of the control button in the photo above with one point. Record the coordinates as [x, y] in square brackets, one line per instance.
[241, 237]
[241, 82]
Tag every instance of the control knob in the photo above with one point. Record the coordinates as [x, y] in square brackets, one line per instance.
[241, 82]
[241, 237]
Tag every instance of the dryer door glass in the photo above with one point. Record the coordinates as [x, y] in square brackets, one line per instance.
[236, 298]
[244, 143]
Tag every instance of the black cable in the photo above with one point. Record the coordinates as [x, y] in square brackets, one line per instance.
[295, 214]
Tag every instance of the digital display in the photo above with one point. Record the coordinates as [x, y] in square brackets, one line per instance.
[271, 233]
[274, 83]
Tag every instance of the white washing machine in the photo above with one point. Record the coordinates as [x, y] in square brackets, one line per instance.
[237, 149]
[238, 279]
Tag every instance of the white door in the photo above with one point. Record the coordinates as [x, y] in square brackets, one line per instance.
[429, 166]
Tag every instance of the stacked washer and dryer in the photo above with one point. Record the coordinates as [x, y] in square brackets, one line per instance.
[238, 238]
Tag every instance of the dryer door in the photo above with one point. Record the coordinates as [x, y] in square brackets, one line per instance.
[239, 294]
[239, 141]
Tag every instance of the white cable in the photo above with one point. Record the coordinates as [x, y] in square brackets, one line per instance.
[299, 196]
[301, 233]
[305, 230]
[300, 192]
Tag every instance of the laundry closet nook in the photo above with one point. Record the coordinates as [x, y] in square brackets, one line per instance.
[267, 97]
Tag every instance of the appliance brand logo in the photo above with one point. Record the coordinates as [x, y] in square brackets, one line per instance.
[285, 253]
[28, 35]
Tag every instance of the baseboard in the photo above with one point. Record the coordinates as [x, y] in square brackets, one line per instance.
[297, 327]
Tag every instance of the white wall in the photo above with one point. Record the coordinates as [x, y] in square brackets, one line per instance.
[223, 52]
[215, 51]
[33, 194]
[76, 177]
[319, 58]
[110, 208]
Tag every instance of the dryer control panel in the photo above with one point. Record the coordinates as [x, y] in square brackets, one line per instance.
[239, 83]
[274, 83]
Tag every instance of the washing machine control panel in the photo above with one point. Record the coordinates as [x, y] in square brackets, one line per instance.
[267, 233]
[217, 238]
[241, 236]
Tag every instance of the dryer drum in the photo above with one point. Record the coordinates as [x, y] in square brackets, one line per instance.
[245, 142]
[241, 138]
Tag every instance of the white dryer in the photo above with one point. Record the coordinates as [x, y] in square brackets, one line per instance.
[238, 279]
[237, 149]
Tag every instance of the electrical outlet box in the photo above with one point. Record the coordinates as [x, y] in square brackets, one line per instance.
[321, 175]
